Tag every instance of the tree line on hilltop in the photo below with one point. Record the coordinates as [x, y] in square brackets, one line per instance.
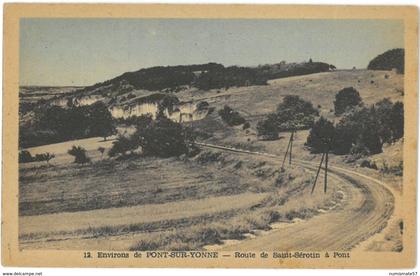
[206, 76]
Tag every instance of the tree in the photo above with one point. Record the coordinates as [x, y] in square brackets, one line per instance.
[346, 98]
[295, 113]
[44, 157]
[321, 136]
[101, 150]
[383, 113]
[101, 121]
[124, 144]
[364, 130]
[79, 154]
[231, 117]
[164, 138]
[267, 129]
[168, 103]
[25, 157]
[397, 120]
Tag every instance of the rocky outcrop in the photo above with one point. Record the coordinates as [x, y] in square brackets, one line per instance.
[182, 112]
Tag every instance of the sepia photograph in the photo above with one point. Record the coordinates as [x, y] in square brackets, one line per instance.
[206, 135]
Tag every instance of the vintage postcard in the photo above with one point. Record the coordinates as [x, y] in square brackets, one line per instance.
[209, 136]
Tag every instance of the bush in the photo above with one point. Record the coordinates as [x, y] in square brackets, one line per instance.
[202, 105]
[161, 137]
[397, 120]
[292, 114]
[25, 157]
[165, 138]
[267, 129]
[246, 125]
[364, 130]
[367, 164]
[231, 117]
[295, 113]
[100, 121]
[396, 169]
[79, 154]
[44, 157]
[101, 150]
[346, 98]
[124, 144]
[321, 136]
[138, 121]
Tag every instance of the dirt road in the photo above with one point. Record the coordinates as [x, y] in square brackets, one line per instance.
[365, 210]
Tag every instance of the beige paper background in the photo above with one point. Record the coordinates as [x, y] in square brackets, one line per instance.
[11, 256]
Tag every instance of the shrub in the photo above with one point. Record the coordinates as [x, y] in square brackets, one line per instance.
[101, 150]
[367, 164]
[138, 121]
[363, 131]
[202, 105]
[321, 136]
[231, 117]
[346, 98]
[79, 154]
[44, 157]
[101, 121]
[267, 129]
[397, 120]
[165, 138]
[291, 114]
[246, 125]
[296, 105]
[124, 144]
[161, 137]
[168, 102]
[396, 169]
[25, 157]
[295, 113]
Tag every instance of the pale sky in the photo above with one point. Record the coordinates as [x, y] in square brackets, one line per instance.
[61, 52]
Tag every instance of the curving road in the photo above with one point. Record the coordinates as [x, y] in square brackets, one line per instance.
[366, 209]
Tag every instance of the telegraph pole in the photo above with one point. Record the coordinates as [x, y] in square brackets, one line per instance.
[288, 150]
[291, 146]
[317, 172]
[323, 157]
[326, 171]
[285, 156]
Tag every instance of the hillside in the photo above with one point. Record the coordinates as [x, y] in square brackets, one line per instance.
[254, 103]
[175, 79]
[208, 76]
[391, 59]
[320, 89]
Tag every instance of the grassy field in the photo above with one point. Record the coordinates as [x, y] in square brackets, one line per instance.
[320, 89]
[161, 203]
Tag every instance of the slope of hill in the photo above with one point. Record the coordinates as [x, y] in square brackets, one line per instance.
[320, 89]
[207, 76]
[391, 59]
